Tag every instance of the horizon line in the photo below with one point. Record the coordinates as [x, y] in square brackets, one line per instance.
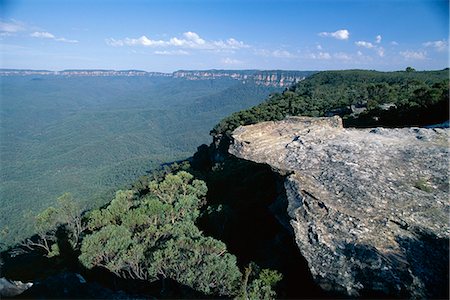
[201, 70]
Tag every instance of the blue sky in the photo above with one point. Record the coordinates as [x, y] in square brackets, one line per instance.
[248, 34]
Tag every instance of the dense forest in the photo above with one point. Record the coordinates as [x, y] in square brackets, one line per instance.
[92, 135]
[363, 98]
[217, 227]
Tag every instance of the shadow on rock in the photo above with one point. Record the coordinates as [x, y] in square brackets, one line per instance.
[419, 270]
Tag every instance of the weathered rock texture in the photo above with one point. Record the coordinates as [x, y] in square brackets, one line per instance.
[369, 207]
[10, 288]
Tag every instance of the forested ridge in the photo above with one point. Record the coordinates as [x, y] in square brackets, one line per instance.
[363, 98]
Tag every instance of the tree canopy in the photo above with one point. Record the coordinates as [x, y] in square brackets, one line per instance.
[405, 98]
[156, 238]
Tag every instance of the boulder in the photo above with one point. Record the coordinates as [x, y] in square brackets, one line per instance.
[11, 288]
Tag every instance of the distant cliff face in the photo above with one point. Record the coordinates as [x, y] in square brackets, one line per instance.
[268, 78]
[369, 207]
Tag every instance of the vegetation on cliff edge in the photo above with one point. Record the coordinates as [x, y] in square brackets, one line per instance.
[363, 98]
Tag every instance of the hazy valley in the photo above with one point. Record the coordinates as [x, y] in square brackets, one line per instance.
[91, 132]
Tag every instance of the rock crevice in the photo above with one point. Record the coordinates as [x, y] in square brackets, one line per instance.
[365, 204]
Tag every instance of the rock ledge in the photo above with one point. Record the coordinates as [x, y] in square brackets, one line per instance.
[369, 207]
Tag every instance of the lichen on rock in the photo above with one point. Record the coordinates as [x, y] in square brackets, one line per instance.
[369, 207]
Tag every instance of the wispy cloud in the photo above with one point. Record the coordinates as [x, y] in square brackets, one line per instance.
[342, 34]
[342, 56]
[437, 45]
[275, 53]
[231, 61]
[66, 40]
[364, 44]
[369, 45]
[394, 43]
[50, 36]
[320, 56]
[189, 40]
[43, 35]
[171, 52]
[378, 39]
[414, 55]
[380, 51]
[11, 27]
[361, 58]
[282, 54]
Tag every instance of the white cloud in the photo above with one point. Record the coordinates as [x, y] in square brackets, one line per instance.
[114, 42]
[360, 58]
[324, 55]
[144, 41]
[320, 55]
[378, 39]
[43, 35]
[275, 53]
[172, 52]
[319, 47]
[414, 55]
[228, 44]
[394, 43]
[66, 40]
[282, 54]
[48, 35]
[189, 40]
[342, 34]
[364, 44]
[11, 27]
[342, 56]
[231, 61]
[192, 36]
[438, 45]
[369, 45]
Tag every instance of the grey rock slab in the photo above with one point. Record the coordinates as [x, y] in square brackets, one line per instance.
[369, 207]
[11, 288]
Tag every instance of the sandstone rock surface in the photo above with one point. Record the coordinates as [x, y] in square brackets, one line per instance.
[369, 207]
[10, 288]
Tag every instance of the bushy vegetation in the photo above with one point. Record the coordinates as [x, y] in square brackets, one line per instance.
[92, 135]
[156, 237]
[408, 98]
[258, 284]
[151, 234]
[66, 215]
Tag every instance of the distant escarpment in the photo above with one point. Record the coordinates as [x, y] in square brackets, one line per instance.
[369, 207]
[277, 78]
[272, 78]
